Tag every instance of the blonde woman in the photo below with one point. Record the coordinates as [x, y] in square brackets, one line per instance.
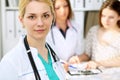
[33, 58]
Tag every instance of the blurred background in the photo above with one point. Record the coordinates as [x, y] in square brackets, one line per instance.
[85, 14]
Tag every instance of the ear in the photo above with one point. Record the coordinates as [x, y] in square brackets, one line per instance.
[21, 20]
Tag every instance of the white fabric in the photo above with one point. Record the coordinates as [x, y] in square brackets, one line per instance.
[69, 46]
[15, 65]
[96, 50]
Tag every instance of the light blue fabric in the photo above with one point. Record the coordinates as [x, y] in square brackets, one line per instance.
[49, 68]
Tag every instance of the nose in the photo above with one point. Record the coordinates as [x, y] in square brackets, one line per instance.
[40, 22]
[107, 20]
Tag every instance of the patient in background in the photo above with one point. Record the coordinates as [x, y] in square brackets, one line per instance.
[103, 41]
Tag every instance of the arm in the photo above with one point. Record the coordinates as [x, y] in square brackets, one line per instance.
[84, 57]
[113, 62]
[78, 59]
[88, 49]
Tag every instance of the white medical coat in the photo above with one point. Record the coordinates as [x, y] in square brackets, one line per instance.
[69, 46]
[15, 65]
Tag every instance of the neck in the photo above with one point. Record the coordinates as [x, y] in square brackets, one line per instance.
[62, 25]
[113, 29]
[38, 44]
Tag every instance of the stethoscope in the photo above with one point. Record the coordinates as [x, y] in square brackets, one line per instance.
[55, 57]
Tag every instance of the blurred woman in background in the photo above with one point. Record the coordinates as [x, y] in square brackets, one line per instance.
[64, 32]
[103, 41]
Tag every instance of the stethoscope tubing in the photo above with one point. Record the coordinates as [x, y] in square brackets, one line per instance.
[37, 76]
[55, 57]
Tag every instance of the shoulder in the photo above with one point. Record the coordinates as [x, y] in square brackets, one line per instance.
[11, 63]
[92, 32]
[93, 29]
[75, 26]
[14, 54]
[73, 23]
[79, 28]
[52, 46]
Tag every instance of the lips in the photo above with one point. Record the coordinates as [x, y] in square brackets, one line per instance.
[40, 30]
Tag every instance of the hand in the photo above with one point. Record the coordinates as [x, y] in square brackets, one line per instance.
[92, 65]
[65, 65]
[74, 60]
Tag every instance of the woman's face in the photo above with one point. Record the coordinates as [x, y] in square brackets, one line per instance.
[37, 19]
[109, 18]
[61, 10]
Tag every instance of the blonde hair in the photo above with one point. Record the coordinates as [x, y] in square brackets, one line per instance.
[23, 3]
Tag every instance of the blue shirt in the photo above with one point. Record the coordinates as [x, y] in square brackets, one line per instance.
[49, 68]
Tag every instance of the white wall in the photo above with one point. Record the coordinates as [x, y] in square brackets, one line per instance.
[0, 34]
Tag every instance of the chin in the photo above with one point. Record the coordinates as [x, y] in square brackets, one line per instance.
[106, 27]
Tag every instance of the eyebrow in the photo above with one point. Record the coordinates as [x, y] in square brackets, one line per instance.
[42, 13]
[47, 12]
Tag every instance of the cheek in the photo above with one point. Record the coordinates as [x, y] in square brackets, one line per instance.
[102, 20]
[67, 10]
[50, 21]
[49, 25]
[29, 23]
[114, 21]
[57, 14]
